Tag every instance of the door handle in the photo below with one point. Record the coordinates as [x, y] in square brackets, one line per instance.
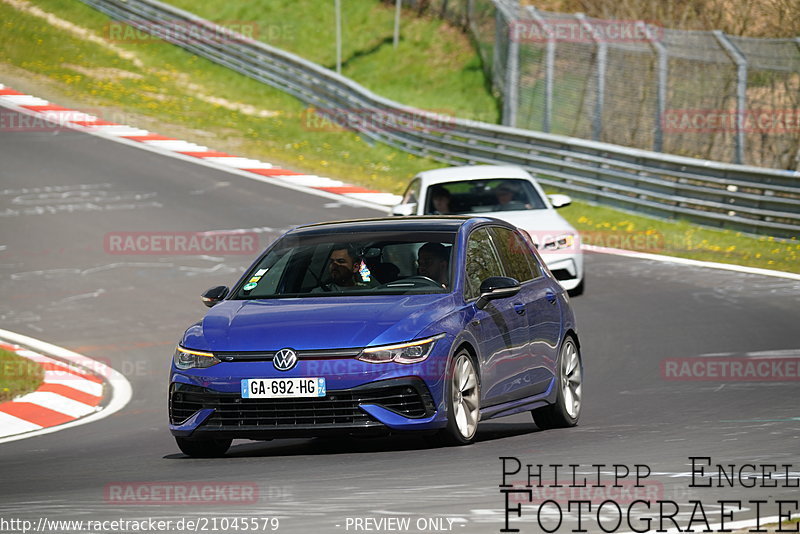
[551, 297]
[519, 307]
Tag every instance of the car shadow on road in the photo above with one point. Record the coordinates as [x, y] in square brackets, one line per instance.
[488, 432]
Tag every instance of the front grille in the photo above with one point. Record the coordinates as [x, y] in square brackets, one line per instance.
[408, 397]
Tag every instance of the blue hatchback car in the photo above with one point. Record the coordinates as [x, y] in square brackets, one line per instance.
[379, 326]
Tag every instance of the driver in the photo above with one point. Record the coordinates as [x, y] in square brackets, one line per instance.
[507, 195]
[346, 270]
[433, 261]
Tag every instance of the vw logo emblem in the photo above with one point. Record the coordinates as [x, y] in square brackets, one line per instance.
[284, 359]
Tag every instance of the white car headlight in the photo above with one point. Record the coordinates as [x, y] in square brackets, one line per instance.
[559, 242]
[191, 359]
[411, 352]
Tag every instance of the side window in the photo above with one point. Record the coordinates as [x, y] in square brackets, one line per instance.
[482, 262]
[515, 255]
[412, 193]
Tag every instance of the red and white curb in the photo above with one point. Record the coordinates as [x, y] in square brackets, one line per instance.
[47, 114]
[76, 390]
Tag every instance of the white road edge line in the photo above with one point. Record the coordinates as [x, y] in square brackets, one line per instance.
[121, 391]
[692, 263]
[354, 201]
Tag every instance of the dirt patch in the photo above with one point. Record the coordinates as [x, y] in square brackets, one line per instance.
[199, 92]
[75, 30]
[103, 73]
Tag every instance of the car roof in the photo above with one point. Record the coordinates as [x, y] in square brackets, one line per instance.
[472, 172]
[438, 223]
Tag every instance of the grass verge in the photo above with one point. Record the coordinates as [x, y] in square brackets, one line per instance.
[19, 375]
[604, 226]
[154, 85]
[434, 66]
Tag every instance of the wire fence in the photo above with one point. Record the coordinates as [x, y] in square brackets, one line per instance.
[699, 94]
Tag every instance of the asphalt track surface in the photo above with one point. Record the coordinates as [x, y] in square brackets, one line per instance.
[58, 284]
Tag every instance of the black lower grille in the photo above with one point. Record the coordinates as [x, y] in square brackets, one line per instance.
[562, 274]
[184, 401]
[408, 397]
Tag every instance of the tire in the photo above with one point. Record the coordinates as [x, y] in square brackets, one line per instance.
[203, 448]
[567, 408]
[463, 397]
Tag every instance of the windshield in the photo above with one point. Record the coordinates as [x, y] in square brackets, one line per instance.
[356, 264]
[482, 196]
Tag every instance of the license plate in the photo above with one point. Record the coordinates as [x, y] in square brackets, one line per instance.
[272, 388]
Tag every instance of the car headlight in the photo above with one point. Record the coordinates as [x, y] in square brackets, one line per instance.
[411, 352]
[562, 241]
[191, 359]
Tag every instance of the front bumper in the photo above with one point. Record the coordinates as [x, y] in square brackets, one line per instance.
[373, 408]
[566, 268]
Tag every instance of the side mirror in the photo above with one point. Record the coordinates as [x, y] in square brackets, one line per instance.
[559, 201]
[404, 210]
[214, 295]
[496, 287]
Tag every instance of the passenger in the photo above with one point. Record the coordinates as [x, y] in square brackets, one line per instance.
[433, 261]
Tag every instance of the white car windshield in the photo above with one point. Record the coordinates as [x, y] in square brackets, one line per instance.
[482, 196]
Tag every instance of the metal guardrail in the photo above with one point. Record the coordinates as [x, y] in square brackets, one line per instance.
[748, 199]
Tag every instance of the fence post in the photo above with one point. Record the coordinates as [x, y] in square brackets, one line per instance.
[741, 91]
[396, 35]
[498, 35]
[602, 53]
[338, 8]
[549, 68]
[662, 68]
[511, 93]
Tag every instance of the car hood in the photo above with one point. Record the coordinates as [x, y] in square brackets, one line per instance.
[315, 323]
